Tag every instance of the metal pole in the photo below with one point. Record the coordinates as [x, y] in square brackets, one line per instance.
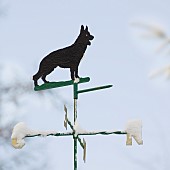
[75, 110]
[74, 135]
[75, 117]
[75, 153]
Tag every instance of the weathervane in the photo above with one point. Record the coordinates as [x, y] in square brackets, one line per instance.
[70, 57]
[21, 131]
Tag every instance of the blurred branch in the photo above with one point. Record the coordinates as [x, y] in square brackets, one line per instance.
[155, 31]
[163, 71]
[152, 31]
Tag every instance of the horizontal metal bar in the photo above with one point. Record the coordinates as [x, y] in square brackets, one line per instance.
[52, 134]
[103, 133]
[78, 134]
[95, 88]
[51, 85]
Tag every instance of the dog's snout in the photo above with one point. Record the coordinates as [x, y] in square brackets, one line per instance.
[91, 37]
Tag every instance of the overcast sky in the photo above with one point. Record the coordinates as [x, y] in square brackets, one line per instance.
[118, 55]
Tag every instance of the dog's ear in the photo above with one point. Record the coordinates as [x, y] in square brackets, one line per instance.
[82, 28]
[86, 28]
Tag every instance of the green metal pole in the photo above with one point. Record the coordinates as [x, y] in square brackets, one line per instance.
[75, 110]
[75, 153]
[75, 117]
[74, 135]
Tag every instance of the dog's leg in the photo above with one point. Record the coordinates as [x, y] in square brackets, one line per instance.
[44, 79]
[35, 83]
[76, 73]
[45, 74]
[72, 73]
[73, 77]
[77, 79]
[36, 77]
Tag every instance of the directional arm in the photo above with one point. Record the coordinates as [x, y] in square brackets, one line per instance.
[21, 131]
[51, 85]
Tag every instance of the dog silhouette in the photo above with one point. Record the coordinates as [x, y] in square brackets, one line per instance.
[68, 57]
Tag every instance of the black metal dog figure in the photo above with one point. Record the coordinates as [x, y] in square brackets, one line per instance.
[68, 57]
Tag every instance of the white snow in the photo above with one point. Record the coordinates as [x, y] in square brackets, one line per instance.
[76, 80]
[78, 129]
[134, 129]
[20, 131]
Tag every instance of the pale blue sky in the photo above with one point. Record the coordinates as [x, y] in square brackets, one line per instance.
[31, 29]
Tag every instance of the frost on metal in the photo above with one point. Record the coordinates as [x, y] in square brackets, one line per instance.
[76, 80]
[20, 131]
[78, 129]
[134, 130]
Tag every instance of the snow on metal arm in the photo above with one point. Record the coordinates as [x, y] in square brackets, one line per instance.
[21, 131]
[134, 130]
